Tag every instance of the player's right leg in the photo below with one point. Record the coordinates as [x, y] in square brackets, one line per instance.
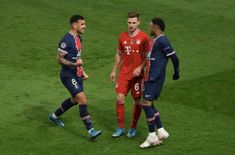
[72, 85]
[81, 99]
[55, 116]
[120, 113]
[122, 88]
[152, 138]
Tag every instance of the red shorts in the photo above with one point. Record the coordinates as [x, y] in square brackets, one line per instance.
[123, 86]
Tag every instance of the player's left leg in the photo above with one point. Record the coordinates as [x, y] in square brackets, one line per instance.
[149, 95]
[162, 133]
[136, 92]
[137, 108]
[81, 99]
[156, 87]
[152, 138]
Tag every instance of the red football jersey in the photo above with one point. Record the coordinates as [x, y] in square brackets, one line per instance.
[133, 50]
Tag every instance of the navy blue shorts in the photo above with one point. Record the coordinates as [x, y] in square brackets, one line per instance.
[152, 89]
[73, 84]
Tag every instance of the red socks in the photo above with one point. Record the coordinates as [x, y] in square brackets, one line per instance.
[120, 111]
[137, 108]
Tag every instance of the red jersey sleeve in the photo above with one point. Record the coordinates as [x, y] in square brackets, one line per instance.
[119, 46]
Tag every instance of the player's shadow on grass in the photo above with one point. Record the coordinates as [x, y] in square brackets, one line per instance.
[210, 93]
[36, 113]
[109, 123]
[75, 133]
[40, 114]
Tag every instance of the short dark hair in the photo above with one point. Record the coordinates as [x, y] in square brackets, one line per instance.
[158, 21]
[133, 14]
[75, 18]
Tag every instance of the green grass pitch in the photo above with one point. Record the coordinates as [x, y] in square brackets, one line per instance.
[198, 110]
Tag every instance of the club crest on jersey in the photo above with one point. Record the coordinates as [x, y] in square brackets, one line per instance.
[138, 42]
[132, 41]
[63, 45]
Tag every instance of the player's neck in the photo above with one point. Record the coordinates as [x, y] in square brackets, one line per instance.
[134, 33]
[157, 34]
[73, 32]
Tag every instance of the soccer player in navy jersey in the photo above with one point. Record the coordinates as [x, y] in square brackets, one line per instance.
[157, 58]
[72, 74]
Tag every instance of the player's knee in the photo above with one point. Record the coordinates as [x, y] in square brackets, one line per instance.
[120, 97]
[80, 98]
[137, 100]
[147, 103]
[73, 100]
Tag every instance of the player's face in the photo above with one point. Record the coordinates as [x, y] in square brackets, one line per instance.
[133, 24]
[151, 29]
[80, 26]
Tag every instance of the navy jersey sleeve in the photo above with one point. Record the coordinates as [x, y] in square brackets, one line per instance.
[63, 46]
[166, 46]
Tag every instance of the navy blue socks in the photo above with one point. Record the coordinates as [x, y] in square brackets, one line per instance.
[67, 104]
[150, 117]
[157, 117]
[86, 118]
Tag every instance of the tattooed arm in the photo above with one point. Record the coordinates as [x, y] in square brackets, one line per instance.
[62, 61]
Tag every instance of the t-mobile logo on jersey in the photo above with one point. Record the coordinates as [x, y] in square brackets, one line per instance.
[128, 50]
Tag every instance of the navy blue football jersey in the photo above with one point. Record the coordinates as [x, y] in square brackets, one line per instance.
[72, 46]
[160, 50]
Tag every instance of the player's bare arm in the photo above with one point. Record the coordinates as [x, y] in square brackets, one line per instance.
[116, 64]
[62, 61]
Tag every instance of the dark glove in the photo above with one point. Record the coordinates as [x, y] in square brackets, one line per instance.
[176, 76]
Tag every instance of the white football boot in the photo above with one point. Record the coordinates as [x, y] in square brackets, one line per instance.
[151, 140]
[162, 134]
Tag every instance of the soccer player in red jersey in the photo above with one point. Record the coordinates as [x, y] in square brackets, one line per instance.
[132, 47]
